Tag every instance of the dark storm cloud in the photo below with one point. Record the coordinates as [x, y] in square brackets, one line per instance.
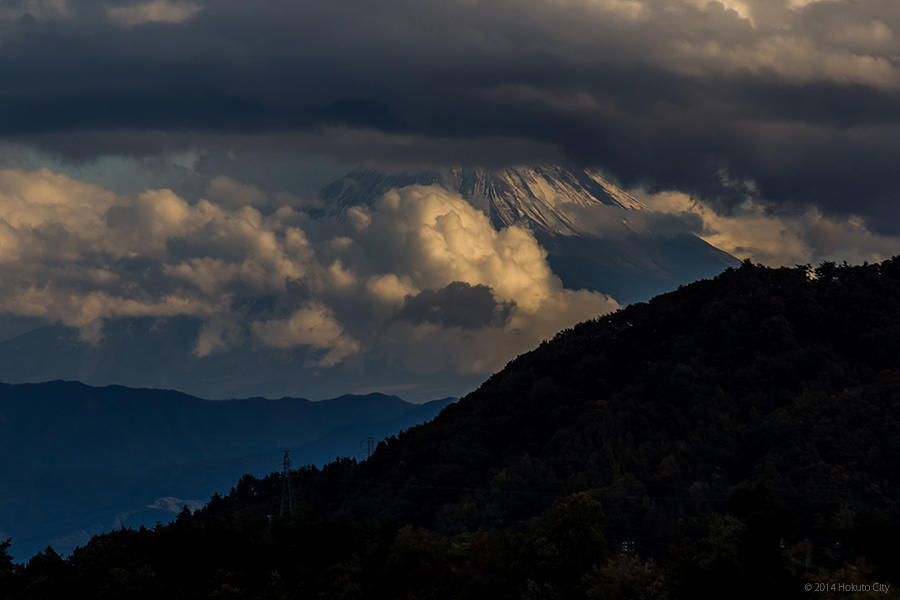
[456, 305]
[796, 102]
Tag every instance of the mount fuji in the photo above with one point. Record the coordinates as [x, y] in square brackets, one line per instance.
[597, 236]
[540, 198]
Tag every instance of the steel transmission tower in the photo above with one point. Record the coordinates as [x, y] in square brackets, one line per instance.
[287, 490]
[369, 443]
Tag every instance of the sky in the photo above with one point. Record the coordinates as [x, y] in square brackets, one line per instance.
[163, 158]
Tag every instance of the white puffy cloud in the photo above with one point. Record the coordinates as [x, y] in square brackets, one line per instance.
[67, 250]
[311, 325]
[437, 238]
[359, 216]
[431, 238]
[228, 192]
[756, 231]
[37, 199]
[390, 289]
[336, 287]
[219, 332]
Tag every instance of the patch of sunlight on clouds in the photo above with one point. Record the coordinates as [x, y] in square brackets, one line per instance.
[156, 11]
[754, 231]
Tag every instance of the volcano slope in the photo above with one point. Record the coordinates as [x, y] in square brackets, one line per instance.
[734, 438]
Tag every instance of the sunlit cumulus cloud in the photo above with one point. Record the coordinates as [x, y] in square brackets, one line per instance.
[762, 233]
[429, 239]
[421, 277]
[312, 325]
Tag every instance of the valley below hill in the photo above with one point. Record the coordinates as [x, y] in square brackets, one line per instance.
[77, 460]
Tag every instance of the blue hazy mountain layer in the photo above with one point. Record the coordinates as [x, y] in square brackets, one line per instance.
[157, 353]
[76, 460]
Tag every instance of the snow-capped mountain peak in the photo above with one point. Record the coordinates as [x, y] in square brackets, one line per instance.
[540, 198]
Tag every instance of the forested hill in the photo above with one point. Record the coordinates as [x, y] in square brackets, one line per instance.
[736, 438]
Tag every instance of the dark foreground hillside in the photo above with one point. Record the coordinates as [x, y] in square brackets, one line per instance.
[737, 438]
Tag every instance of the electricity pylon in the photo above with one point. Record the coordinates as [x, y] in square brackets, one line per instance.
[287, 490]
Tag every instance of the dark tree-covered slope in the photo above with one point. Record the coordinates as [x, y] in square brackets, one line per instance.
[737, 438]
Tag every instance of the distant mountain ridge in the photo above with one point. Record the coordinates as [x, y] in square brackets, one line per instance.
[158, 353]
[97, 457]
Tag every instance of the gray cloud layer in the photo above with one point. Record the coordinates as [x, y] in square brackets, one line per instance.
[796, 101]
